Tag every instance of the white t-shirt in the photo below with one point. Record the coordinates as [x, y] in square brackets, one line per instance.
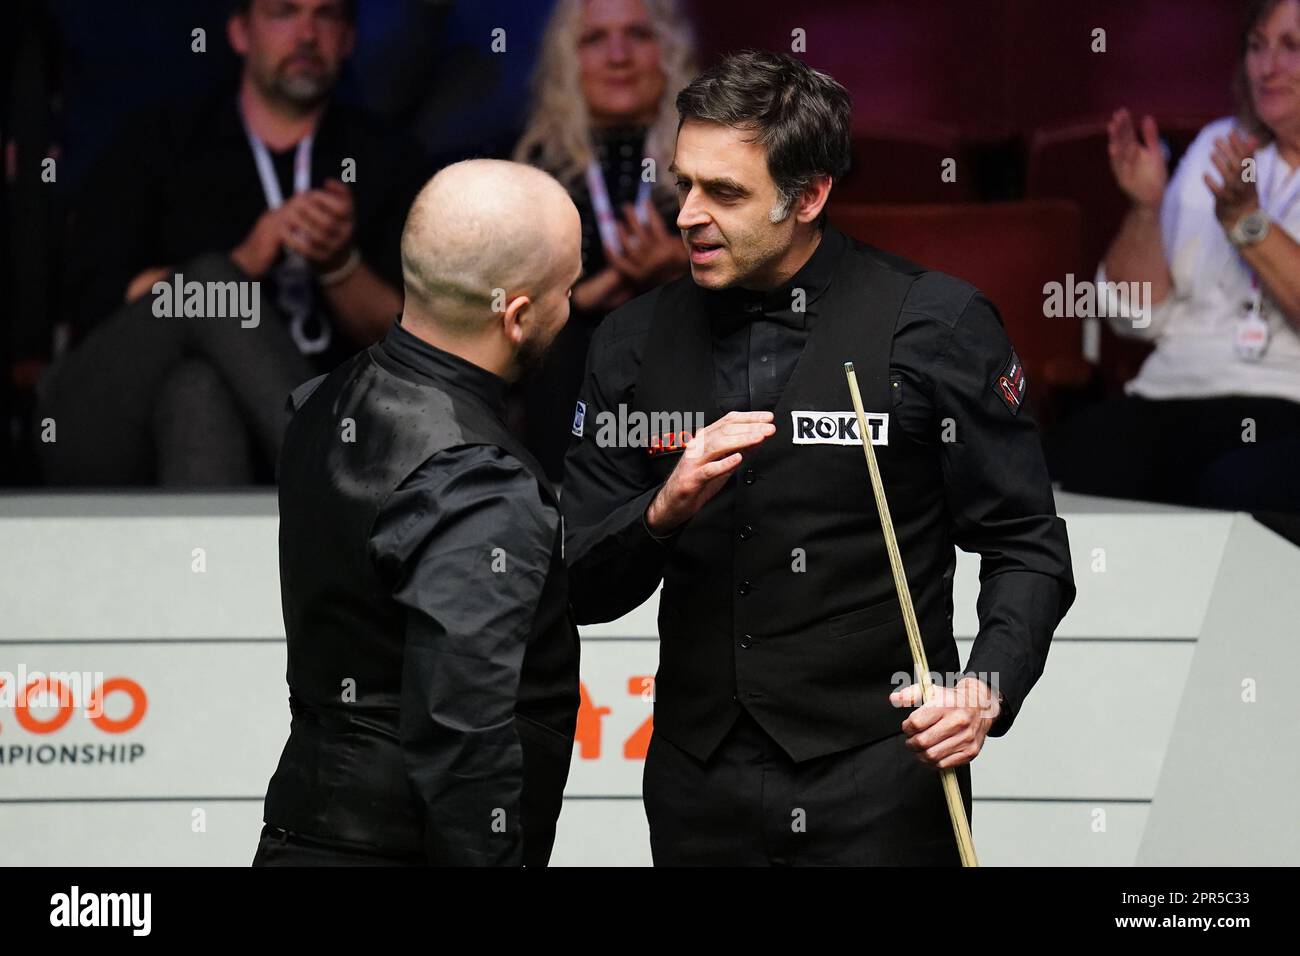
[1194, 327]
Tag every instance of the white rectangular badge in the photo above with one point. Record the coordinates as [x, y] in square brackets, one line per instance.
[837, 428]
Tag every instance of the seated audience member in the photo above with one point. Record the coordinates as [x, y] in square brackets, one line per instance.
[604, 88]
[1213, 417]
[224, 251]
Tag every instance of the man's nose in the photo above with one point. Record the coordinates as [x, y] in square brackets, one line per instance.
[308, 34]
[691, 214]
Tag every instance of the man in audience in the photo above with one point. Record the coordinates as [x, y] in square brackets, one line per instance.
[225, 251]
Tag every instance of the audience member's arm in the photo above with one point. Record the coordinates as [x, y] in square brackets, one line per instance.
[1276, 259]
[1137, 253]
[365, 303]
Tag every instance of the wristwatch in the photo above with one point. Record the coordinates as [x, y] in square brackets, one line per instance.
[1250, 229]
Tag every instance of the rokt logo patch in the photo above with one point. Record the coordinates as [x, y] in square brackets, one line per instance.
[837, 428]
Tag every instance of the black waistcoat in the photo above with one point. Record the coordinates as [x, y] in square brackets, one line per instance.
[778, 595]
[341, 774]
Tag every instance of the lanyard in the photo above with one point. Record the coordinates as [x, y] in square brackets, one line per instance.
[266, 169]
[294, 293]
[600, 203]
[1252, 333]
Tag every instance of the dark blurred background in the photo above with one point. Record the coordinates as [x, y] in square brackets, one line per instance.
[1011, 88]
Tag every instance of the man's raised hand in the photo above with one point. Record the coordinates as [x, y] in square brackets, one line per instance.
[708, 461]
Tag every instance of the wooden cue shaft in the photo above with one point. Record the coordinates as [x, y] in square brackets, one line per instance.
[951, 790]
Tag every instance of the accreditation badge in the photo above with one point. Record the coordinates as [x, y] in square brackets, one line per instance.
[1252, 332]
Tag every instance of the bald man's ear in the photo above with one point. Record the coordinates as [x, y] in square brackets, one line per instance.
[513, 319]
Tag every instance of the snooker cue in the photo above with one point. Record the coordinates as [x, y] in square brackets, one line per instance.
[951, 791]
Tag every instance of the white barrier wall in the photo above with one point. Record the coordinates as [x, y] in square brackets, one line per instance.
[1153, 736]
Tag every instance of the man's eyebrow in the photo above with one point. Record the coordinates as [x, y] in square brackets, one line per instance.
[724, 183]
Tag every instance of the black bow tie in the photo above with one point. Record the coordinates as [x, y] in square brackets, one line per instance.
[736, 307]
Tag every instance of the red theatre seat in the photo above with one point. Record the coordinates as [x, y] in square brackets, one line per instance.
[1069, 161]
[904, 164]
[1010, 251]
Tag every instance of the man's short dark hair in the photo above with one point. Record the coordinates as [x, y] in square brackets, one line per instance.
[801, 116]
[242, 7]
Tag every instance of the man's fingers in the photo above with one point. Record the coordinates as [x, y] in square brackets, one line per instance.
[745, 416]
[302, 216]
[926, 715]
[734, 438]
[326, 207]
[340, 204]
[731, 433]
[302, 241]
[745, 428]
[716, 469]
[942, 725]
[908, 696]
[947, 745]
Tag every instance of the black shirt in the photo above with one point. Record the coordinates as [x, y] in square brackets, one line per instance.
[180, 181]
[468, 510]
[999, 495]
[758, 336]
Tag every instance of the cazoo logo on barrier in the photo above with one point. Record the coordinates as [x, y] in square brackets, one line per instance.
[57, 692]
[587, 736]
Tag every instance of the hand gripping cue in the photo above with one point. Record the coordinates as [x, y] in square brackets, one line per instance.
[951, 791]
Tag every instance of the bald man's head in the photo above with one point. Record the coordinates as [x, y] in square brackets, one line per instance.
[482, 234]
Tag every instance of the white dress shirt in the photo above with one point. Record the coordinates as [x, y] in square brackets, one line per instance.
[1194, 327]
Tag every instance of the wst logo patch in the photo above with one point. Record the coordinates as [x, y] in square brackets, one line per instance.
[579, 416]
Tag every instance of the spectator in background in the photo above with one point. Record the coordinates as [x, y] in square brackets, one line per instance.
[604, 89]
[1213, 417]
[270, 183]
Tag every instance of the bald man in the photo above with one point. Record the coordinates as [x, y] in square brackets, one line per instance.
[433, 666]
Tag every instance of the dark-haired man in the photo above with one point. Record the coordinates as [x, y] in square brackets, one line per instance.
[777, 739]
[270, 190]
